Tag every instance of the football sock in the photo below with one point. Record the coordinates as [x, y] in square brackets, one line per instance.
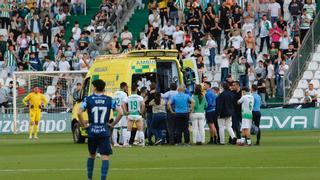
[104, 169]
[90, 166]
[243, 140]
[215, 140]
[211, 139]
[128, 135]
[30, 130]
[124, 135]
[35, 128]
[115, 136]
[248, 141]
[141, 137]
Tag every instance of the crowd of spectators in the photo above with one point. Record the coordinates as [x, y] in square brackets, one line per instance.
[252, 43]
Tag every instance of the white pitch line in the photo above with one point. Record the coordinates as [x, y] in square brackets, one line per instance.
[165, 168]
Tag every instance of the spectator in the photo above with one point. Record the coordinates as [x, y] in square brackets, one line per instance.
[313, 94]
[168, 29]
[261, 85]
[305, 23]
[46, 30]
[11, 60]
[270, 81]
[166, 42]
[5, 14]
[265, 26]
[163, 7]
[225, 110]
[34, 62]
[182, 104]
[283, 68]
[4, 98]
[211, 45]
[58, 101]
[178, 37]
[139, 45]
[126, 38]
[49, 65]
[85, 62]
[216, 32]
[76, 31]
[63, 65]
[225, 58]
[152, 36]
[114, 46]
[76, 93]
[149, 111]
[173, 12]
[284, 40]
[77, 7]
[274, 11]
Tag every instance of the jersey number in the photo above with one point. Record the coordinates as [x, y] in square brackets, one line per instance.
[134, 105]
[250, 106]
[103, 111]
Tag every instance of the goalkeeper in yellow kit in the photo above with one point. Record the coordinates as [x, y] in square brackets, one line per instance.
[35, 101]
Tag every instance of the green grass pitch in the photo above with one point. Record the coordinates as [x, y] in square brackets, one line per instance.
[282, 155]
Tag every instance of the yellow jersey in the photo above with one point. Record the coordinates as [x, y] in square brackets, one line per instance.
[163, 4]
[35, 100]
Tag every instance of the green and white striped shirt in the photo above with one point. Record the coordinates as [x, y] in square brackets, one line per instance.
[33, 45]
[4, 8]
[10, 58]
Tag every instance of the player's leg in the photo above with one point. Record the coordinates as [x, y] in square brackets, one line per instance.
[115, 136]
[32, 123]
[195, 128]
[105, 151]
[92, 147]
[202, 122]
[139, 124]
[228, 124]
[221, 123]
[256, 115]
[128, 134]
[123, 125]
[36, 125]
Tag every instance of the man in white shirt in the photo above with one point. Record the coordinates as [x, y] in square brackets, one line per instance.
[224, 64]
[63, 64]
[126, 38]
[211, 46]
[265, 26]
[270, 81]
[188, 50]
[305, 24]
[236, 40]
[85, 62]
[178, 37]
[310, 8]
[49, 65]
[312, 93]
[168, 29]
[247, 26]
[274, 11]
[154, 19]
[76, 31]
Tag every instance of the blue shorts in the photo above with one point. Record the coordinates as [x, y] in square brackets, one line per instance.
[102, 144]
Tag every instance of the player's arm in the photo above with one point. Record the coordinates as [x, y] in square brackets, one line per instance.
[125, 107]
[119, 116]
[44, 100]
[240, 100]
[26, 99]
[82, 108]
[143, 106]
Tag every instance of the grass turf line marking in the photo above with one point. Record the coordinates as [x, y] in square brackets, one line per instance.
[164, 168]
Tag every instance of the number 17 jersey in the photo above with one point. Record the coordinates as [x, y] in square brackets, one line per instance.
[98, 108]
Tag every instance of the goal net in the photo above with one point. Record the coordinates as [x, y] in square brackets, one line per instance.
[60, 90]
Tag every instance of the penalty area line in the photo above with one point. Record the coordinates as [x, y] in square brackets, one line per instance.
[162, 168]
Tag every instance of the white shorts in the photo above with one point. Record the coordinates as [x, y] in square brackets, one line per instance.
[246, 124]
[122, 123]
[134, 118]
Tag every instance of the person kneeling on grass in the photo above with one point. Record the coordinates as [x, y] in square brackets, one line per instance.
[246, 102]
[98, 107]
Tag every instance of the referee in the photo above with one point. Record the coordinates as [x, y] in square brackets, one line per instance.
[256, 114]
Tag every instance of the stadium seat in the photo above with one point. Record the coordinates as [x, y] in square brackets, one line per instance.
[308, 75]
[315, 83]
[8, 81]
[317, 75]
[47, 97]
[298, 93]
[313, 66]
[293, 101]
[303, 84]
[316, 57]
[51, 90]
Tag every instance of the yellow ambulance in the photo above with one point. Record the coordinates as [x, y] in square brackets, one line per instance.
[141, 67]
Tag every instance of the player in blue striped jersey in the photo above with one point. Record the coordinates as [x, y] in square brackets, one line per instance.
[98, 107]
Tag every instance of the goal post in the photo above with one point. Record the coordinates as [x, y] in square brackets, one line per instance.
[58, 88]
